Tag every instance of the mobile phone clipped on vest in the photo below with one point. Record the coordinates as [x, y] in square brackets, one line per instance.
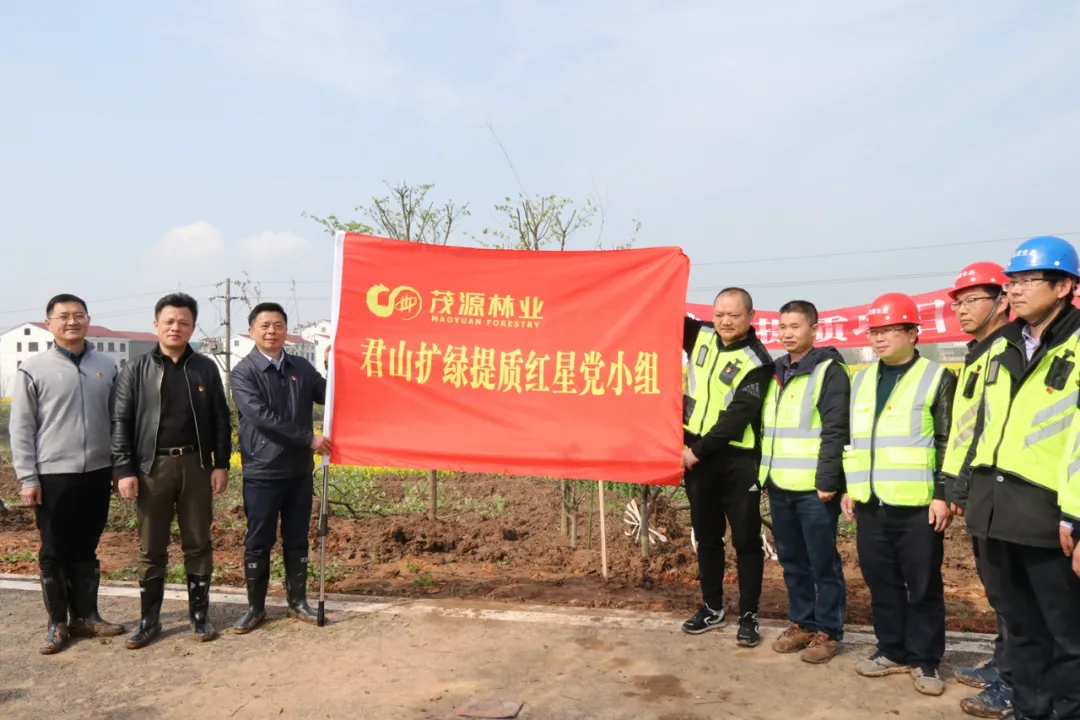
[1059, 372]
[687, 408]
[969, 387]
[702, 356]
[727, 375]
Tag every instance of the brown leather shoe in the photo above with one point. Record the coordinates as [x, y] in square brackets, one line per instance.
[820, 650]
[794, 639]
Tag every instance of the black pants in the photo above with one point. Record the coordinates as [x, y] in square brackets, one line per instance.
[71, 517]
[1038, 595]
[727, 487]
[1001, 657]
[265, 501]
[805, 532]
[900, 556]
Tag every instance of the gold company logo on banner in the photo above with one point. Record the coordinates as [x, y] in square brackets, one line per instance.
[384, 302]
[459, 308]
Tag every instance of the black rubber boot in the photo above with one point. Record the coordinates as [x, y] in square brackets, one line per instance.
[199, 607]
[296, 573]
[83, 578]
[54, 591]
[257, 576]
[151, 595]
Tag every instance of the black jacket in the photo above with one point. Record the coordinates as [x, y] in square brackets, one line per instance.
[941, 411]
[745, 407]
[956, 489]
[1000, 505]
[138, 411]
[275, 408]
[834, 408]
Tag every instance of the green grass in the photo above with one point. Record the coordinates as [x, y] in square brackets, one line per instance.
[18, 556]
[422, 579]
[5, 438]
[355, 491]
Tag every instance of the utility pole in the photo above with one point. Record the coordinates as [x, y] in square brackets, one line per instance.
[228, 330]
[226, 347]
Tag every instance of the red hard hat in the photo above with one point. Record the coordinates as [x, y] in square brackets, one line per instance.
[976, 274]
[893, 309]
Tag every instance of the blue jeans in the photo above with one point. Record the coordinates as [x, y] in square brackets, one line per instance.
[805, 532]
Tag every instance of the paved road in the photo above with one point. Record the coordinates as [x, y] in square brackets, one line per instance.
[421, 660]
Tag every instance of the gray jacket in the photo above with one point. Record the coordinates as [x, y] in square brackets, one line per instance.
[61, 414]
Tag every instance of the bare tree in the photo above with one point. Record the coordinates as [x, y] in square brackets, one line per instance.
[550, 222]
[406, 214]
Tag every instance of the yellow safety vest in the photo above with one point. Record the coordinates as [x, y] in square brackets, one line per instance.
[966, 402]
[712, 378]
[791, 431]
[893, 456]
[1069, 474]
[1025, 434]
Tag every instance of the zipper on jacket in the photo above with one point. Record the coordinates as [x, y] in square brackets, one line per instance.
[194, 415]
[82, 408]
[775, 415]
[1012, 396]
[160, 384]
[873, 434]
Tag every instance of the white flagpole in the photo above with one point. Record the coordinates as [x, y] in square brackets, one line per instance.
[328, 421]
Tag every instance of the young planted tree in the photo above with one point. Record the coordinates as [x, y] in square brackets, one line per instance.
[406, 214]
[551, 222]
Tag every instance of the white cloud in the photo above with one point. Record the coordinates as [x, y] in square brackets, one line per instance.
[273, 246]
[764, 127]
[200, 249]
[189, 245]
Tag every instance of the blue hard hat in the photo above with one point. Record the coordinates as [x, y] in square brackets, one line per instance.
[1045, 253]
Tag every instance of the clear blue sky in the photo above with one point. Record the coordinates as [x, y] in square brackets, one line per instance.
[148, 146]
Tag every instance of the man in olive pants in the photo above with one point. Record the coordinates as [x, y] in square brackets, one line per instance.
[171, 447]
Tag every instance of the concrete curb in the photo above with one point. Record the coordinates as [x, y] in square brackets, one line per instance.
[956, 642]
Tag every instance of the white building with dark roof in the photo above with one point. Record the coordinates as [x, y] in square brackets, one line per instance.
[23, 341]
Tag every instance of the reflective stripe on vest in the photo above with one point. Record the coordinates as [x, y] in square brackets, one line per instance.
[1069, 479]
[791, 431]
[1024, 434]
[712, 377]
[965, 410]
[892, 455]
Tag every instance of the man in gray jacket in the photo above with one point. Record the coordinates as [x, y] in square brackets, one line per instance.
[60, 418]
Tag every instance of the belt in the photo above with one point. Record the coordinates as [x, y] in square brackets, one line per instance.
[176, 451]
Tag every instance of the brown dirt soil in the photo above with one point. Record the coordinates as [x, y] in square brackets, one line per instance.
[519, 555]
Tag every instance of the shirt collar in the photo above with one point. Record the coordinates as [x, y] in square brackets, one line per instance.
[1031, 344]
[279, 363]
[70, 355]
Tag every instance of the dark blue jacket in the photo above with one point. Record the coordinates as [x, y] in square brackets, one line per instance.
[275, 408]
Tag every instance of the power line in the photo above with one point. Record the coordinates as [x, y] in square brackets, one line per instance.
[114, 299]
[872, 251]
[831, 281]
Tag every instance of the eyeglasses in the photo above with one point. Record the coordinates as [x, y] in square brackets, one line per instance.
[970, 302]
[1023, 283]
[66, 317]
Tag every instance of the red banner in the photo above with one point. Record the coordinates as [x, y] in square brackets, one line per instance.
[846, 328]
[551, 364]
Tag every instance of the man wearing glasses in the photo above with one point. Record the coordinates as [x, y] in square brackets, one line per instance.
[982, 309]
[901, 409]
[1031, 392]
[60, 415]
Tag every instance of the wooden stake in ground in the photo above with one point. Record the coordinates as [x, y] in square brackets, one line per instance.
[433, 495]
[645, 539]
[603, 531]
